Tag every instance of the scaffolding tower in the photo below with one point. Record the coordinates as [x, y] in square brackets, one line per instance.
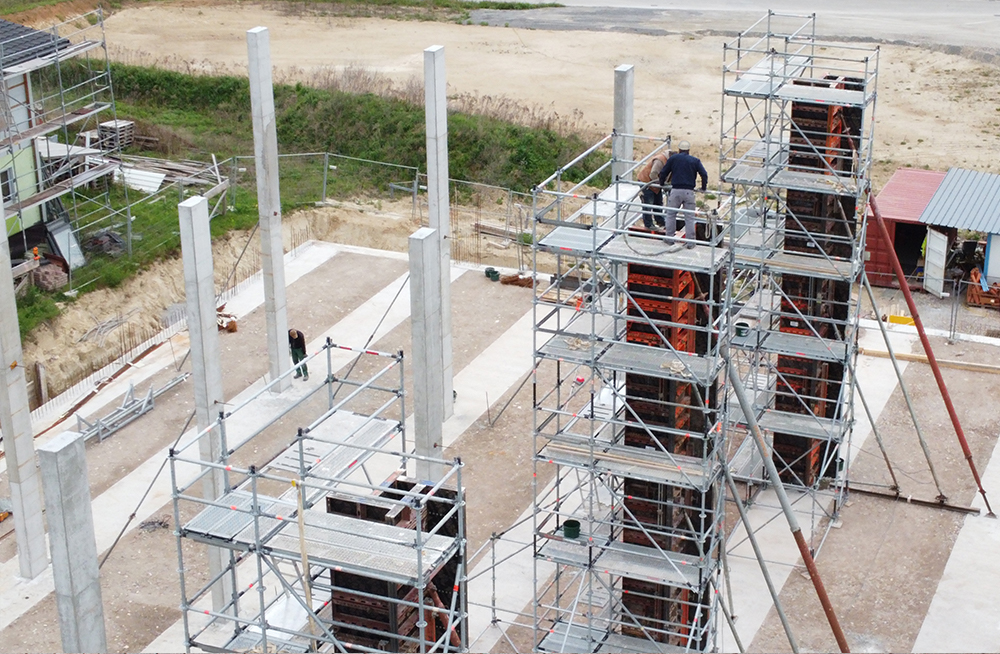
[322, 554]
[60, 139]
[797, 126]
[629, 330]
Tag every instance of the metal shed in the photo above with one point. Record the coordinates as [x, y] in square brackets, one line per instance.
[970, 199]
[902, 202]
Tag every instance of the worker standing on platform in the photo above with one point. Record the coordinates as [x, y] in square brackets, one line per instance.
[682, 169]
[297, 344]
[652, 192]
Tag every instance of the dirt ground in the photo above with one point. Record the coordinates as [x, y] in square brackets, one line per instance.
[882, 566]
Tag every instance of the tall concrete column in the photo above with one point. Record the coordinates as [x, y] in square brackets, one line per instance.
[426, 320]
[75, 573]
[18, 440]
[272, 252]
[621, 146]
[206, 364]
[438, 207]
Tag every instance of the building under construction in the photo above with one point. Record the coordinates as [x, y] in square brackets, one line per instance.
[61, 137]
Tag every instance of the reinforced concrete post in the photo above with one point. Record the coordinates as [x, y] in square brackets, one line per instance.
[75, 572]
[621, 145]
[428, 369]
[206, 365]
[438, 207]
[272, 252]
[18, 439]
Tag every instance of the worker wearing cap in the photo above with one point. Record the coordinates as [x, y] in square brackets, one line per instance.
[683, 170]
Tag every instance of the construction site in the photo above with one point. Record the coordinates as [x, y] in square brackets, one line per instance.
[737, 435]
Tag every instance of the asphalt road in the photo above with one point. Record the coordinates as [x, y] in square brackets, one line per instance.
[960, 26]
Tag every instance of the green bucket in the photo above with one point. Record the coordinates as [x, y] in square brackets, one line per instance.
[742, 328]
[571, 529]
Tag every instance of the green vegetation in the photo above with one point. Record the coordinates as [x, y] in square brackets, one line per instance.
[194, 116]
[8, 7]
[35, 307]
[213, 115]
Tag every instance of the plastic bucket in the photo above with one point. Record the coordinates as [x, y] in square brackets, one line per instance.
[742, 328]
[571, 529]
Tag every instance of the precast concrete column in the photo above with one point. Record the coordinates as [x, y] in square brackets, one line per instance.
[206, 365]
[272, 252]
[18, 440]
[621, 146]
[426, 351]
[438, 207]
[75, 573]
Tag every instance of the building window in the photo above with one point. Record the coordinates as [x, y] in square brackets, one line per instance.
[7, 185]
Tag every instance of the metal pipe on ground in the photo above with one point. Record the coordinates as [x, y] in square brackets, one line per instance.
[884, 232]
[786, 505]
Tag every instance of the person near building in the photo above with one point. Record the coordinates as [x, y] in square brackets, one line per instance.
[652, 192]
[682, 169]
[297, 344]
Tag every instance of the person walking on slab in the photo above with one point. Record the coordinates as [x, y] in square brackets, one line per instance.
[682, 169]
[297, 344]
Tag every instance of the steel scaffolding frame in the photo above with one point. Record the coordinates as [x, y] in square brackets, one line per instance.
[796, 151]
[626, 307]
[293, 566]
[62, 103]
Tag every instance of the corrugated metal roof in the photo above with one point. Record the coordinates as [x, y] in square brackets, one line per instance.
[907, 193]
[966, 199]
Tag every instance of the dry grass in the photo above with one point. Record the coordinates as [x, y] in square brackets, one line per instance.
[358, 80]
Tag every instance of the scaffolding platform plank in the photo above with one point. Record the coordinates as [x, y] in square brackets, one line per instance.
[792, 263]
[806, 347]
[660, 362]
[233, 523]
[822, 95]
[62, 188]
[634, 463]
[54, 124]
[370, 549]
[654, 251]
[755, 174]
[610, 202]
[632, 357]
[768, 75]
[567, 637]
[335, 447]
[799, 424]
[627, 560]
[570, 240]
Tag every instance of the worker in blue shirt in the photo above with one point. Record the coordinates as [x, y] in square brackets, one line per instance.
[683, 170]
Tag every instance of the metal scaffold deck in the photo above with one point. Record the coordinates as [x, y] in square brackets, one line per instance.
[329, 545]
[629, 410]
[797, 130]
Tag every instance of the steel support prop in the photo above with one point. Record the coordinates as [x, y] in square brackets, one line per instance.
[930, 352]
[786, 506]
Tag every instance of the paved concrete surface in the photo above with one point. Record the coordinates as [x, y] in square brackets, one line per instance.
[964, 24]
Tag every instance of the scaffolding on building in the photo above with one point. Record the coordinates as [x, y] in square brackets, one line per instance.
[629, 330]
[61, 140]
[796, 154]
[321, 553]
